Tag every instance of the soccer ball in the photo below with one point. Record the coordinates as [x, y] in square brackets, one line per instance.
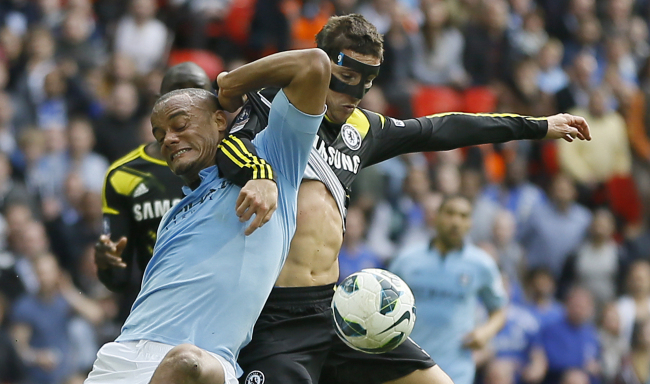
[374, 311]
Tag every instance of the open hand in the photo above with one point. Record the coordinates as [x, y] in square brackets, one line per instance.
[567, 127]
[109, 254]
[259, 197]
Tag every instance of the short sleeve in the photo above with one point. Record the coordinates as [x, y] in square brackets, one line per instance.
[288, 139]
[492, 292]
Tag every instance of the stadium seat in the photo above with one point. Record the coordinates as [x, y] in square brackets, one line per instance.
[432, 100]
[480, 100]
[236, 25]
[624, 198]
[211, 63]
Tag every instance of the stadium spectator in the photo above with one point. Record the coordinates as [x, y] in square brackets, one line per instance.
[572, 341]
[613, 345]
[598, 264]
[355, 254]
[12, 369]
[140, 36]
[488, 50]
[116, 130]
[635, 305]
[607, 156]
[540, 291]
[516, 194]
[552, 77]
[581, 75]
[636, 366]
[438, 48]
[41, 323]
[77, 46]
[520, 344]
[511, 254]
[554, 228]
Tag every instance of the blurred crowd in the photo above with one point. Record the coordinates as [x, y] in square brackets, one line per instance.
[567, 224]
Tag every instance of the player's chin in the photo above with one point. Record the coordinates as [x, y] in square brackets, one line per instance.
[180, 167]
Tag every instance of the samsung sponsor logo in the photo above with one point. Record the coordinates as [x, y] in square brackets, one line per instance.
[336, 158]
[152, 209]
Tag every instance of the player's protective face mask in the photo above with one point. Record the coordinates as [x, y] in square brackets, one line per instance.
[358, 89]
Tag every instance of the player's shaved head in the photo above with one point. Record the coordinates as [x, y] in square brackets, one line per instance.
[185, 75]
[195, 97]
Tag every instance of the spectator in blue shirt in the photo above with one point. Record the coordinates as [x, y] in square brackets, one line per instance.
[448, 277]
[355, 254]
[519, 343]
[556, 228]
[572, 342]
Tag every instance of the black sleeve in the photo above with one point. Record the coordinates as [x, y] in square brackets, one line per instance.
[447, 131]
[567, 277]
[117, 223]
[237, 158]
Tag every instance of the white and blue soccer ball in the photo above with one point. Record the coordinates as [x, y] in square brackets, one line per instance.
[374, 311]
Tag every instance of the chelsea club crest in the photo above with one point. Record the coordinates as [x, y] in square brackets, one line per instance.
[351, 137]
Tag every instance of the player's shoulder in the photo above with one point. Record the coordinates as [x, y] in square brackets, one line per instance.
[131, 158]
[478, 256]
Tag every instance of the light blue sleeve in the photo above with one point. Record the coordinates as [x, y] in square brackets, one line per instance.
[288, 139]
[492, 292]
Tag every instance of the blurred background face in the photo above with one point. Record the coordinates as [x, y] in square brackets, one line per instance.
[563, 191]
[603, 225]
[471, 183]
[598, 103]
[496, 15]
[436, 13]
[579, 306]
[542, 285]
[639, 279]
[121, 68]
[74, 190]
[41, 45]
[48, 272]
[76, 27]
[504, 228]
[550, 55]
[124, 101]
[32, 240]
[610, 319]
[431, 205]
[448, 179]
[355, 225]
[143, 9]
[584, 67]
[81, 137]
[454, 221]
[417, 183]
[54, 85]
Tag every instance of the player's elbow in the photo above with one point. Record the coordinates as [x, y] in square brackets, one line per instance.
[317, 67]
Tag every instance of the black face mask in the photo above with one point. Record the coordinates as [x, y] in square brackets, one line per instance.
[355, 90]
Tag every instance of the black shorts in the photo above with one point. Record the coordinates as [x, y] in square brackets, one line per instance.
[294, 342]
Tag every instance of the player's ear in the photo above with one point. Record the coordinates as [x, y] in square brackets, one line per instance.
[220, 120]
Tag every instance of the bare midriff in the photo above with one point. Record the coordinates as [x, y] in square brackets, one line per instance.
[314, 250]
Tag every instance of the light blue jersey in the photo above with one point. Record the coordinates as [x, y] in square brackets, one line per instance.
[447, 290]
[207, 282]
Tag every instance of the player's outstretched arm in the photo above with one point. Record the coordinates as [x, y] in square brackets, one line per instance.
[452, 130]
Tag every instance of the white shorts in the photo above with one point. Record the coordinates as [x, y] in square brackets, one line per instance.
[134, 362]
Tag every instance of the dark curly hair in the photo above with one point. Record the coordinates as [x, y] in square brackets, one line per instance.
[351, 32]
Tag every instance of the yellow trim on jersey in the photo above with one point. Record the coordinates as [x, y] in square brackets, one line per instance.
[265, 168]
[359, 121]
[242, 157]
[139, 152]
[124, 183]
[487, 115]
[144, 155]
[121, 161]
